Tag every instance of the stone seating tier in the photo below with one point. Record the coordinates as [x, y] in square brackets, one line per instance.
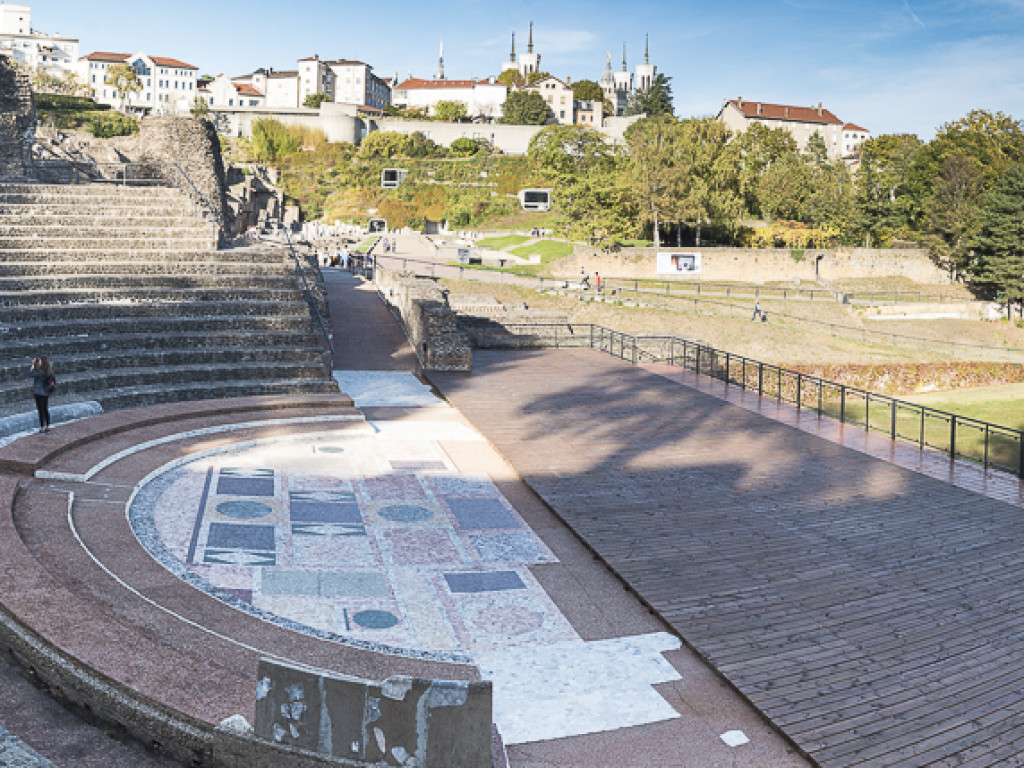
[144, 311]
[43, 217]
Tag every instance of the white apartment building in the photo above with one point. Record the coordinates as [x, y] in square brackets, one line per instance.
[221, 91]
[800, 122]
[344, 81]
[483, 98]
[169, 86]
[33, 50]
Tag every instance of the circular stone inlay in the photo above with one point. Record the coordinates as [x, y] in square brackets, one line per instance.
[375, 619]
[247, 510]
[405, 513]
[513, 620]
[330, 449]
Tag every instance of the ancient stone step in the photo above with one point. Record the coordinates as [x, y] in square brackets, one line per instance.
[138, 268]
[121, 296]
[143, 282]
[57, 257]
[42, 330]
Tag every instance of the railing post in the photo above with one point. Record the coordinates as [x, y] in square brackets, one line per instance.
[921, 435]
[892, 426]
[799, 382]
[842, 403]
[819, 398]
[778, 385]
[952, 437]
[634, 349]
[985, 464]
[760, 378]
[697, 367]
[727, 367]
[1020, 454]
[591, 335]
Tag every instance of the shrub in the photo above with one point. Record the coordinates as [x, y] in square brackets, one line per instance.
[112, 124]
[464, 147]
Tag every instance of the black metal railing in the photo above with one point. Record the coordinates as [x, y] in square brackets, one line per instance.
[327, 336]
[959, 437]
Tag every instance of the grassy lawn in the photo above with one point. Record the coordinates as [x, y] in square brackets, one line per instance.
[364, 246]
[1003, 404]
[500, 243]
[548, 250]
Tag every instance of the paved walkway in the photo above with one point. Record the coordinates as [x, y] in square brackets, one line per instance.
[868, 610]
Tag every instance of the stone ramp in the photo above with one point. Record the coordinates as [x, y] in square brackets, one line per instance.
[868, 611]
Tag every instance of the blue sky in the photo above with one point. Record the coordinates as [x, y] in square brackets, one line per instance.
[889, 65]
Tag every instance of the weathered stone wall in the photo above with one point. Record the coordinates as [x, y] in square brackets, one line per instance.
[402, 721]
[429, 322]
[17, 121]
[761, 264]
[194, 146]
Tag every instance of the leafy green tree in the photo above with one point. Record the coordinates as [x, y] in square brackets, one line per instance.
[314, 100]
[952, 212]
[66, 83]
[450, 111]
[200, 108]
[653, 101]
[999, 259]
[597, 205]
[816, 151]
[587, 90]
[124, 80]
[760, 147]
[571, 150]
[271, 140]
[653, 174]
[995, 140]
[524, 108]
[783, 188]
[889, 198]
[708, 166]
[830, 203]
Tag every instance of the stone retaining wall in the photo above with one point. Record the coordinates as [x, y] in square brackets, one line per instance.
[422, 306]
[17, 120]
[760, 264]
[195, 147]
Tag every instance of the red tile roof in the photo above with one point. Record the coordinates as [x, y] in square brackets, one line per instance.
[244, 89]
[763, 111]
[100, 56]
[160, 61]
[854, 127]
[416, 82]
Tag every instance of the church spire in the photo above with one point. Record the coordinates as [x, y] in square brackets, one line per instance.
[529, 48]
[440, 63]
[513, 56]
[647, 52]
[623, 57]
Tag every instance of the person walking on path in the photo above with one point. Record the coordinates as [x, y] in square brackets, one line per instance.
[757, 310]
[584, 279]
[597, 281]
[43, 385]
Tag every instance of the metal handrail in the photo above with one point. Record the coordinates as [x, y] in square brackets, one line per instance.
[1000, 447]
[328, 337]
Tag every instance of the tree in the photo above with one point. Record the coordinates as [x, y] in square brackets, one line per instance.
[816, 151]
[450, 111]
[652, 174]
[124, 80]
[524, 108]
[587, 90]
[314, 100]
[200, 108]
[760, 147]
[999, 260]
[889, 196]
[652, 101]
[464, 147]
[783, 188]
[951, 211]
[570, 150]
[67, 83]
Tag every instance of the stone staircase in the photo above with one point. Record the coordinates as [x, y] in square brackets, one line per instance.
[123, 288]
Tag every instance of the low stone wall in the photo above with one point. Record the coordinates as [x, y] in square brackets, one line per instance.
[403, 721]
[429, 322]
[760, 264]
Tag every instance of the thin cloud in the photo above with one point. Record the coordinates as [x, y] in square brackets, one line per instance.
[914, 16]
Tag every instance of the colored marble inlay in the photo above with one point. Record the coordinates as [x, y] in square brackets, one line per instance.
[244, 510]
[245, 482]
[405, 513]
[481, 513]
[484, 581]
[229, 536]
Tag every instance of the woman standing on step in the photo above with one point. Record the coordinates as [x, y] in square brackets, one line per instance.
[43, 385]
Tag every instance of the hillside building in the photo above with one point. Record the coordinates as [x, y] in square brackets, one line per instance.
[169, 86]
[32, 50]
[842, 140]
